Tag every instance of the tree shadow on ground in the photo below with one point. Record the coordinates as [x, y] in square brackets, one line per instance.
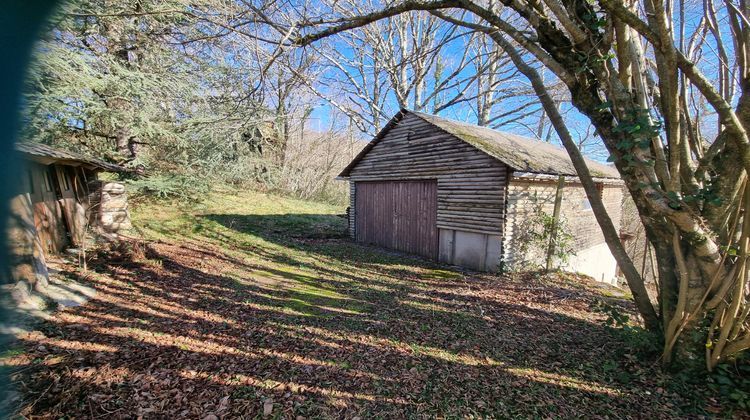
[281, 313]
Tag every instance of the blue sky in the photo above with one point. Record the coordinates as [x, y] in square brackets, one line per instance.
[577, 123]
[320, 118]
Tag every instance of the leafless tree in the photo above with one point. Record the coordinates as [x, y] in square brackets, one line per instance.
[421, 62]
[648, 80]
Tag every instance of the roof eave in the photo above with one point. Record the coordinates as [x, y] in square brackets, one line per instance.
[85, 162]
[431, 120]
[345, 174]
[568, 177]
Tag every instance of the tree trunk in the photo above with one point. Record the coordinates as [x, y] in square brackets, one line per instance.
[611, 236]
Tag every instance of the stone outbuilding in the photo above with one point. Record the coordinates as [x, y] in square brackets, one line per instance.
[60, 203]
[464, 195]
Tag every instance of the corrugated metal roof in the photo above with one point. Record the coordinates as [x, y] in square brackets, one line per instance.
[47, 155]
[520, 153]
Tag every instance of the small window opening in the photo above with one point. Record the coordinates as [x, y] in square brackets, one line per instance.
[586, 204]
[48, 181]
[65, 181]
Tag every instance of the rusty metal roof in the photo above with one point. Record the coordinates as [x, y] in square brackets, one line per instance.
[47, 155]
[522, 154]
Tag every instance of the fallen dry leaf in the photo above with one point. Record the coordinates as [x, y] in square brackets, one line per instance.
[248, 317]
[267, 408]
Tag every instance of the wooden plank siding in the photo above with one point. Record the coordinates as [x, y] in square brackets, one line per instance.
[60, 204]
[470, 184]
[48, 214]
[487, 184]
[399, 215]
[67, 199]
[352, 209]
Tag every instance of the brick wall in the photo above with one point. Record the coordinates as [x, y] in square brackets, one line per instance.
[525, 196]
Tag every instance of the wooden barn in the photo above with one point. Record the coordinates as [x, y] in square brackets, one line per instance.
[463, 194]
[62, 186]
[60, 200]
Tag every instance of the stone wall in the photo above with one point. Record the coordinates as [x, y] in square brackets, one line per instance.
[28, 268]
[526, 195]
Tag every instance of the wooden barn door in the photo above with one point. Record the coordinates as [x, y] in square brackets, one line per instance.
[67, 200]
[48, 215]
[400, 215]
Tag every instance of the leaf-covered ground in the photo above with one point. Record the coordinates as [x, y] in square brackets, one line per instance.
[256, 306]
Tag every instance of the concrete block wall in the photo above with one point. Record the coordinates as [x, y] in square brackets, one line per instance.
[526, 195]
[523, 199]
[478, 251]
[580, 218]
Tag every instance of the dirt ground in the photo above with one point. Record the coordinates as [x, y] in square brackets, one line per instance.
[242, 312]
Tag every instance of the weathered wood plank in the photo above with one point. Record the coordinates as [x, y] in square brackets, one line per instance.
[471, 186]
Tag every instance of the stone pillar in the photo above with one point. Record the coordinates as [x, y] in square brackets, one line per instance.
[114, 217]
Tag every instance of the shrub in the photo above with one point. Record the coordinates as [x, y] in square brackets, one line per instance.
[534, 236]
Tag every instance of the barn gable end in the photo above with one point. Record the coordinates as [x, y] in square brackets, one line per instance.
[470, 186]
[486, 184]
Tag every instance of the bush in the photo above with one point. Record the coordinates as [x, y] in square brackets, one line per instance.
[533, 239]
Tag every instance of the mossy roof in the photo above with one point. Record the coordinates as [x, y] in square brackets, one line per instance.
[47, 155]
[520, 153]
